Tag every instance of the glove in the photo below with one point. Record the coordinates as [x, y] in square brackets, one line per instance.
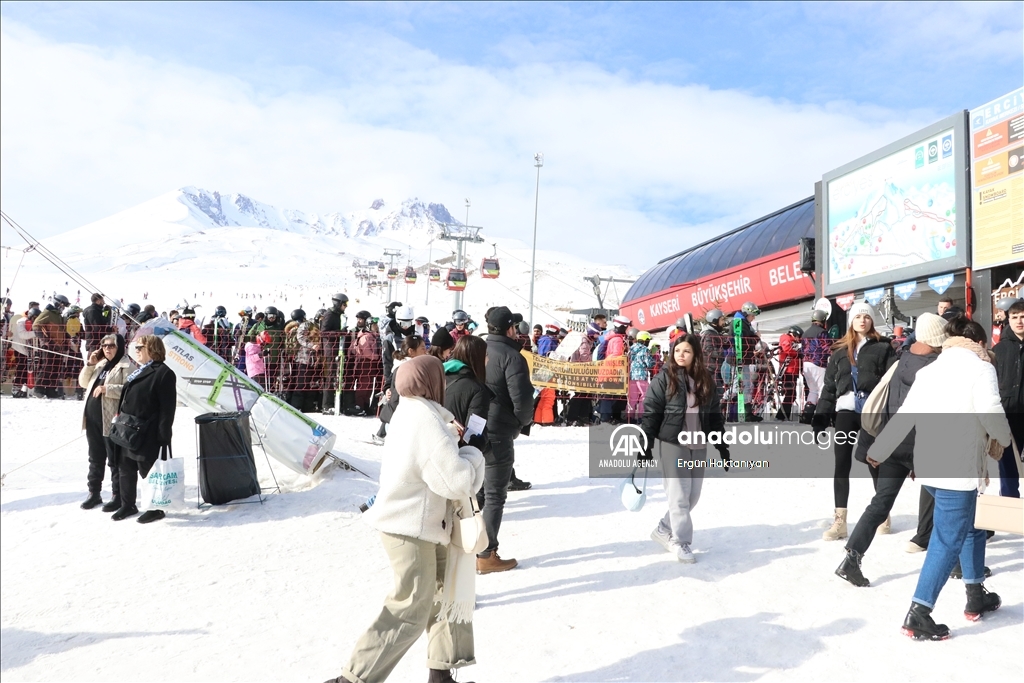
[648, 455]
[478, 441]
[819, 423]
[723, 452]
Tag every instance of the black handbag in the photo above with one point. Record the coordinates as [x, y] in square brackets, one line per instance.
[128, 431]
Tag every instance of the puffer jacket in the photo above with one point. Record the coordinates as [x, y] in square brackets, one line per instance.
[873, 360]
[954, 407]
[422, 469]
[114, 382]
[508, 377]
[665, 416]
[464, 396]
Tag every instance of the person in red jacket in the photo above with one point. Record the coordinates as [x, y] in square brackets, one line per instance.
[789, 367]
[187, 324]
[614, 346]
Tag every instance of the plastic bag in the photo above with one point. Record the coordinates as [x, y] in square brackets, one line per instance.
[164, 488]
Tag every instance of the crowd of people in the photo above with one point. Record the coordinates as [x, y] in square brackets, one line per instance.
[453, 399]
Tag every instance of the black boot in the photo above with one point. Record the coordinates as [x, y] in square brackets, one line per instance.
[919, 624]
[440, 676]
[849, 569]
[114, 505]
[151, 516]
[979, 601]
[958, 573]
[125, 513]
[808, 414]
[92, 501]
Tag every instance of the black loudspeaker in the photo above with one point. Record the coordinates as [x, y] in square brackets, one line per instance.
[807, 254]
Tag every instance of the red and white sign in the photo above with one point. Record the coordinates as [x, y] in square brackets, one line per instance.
[774, 279]
[845, 301]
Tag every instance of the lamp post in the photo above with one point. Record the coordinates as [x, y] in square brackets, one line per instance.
[538, 159]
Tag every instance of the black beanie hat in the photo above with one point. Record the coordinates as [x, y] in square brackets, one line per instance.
[442, 339]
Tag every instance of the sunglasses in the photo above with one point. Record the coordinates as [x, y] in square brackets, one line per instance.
[109, 346]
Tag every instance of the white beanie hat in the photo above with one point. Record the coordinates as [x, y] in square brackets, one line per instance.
[931, 330]
[862, 307]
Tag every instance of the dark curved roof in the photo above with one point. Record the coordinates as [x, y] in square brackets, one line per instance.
[772, 233]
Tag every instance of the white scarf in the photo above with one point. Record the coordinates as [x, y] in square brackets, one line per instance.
[457, 594]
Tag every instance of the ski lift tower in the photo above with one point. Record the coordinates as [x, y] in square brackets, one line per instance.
[391, 253]
[596, 282]
[461, 233]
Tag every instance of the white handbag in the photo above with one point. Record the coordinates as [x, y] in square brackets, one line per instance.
[633, 497]
[468, 530]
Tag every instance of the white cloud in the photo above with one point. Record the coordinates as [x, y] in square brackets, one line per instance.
[88, 132]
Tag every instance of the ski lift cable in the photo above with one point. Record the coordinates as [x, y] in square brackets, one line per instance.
[61, 265]
[548, 274]
[46, 350]
[527, 300]
[16, 271]
[3, 477]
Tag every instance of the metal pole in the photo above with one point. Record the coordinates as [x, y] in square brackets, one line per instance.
[430, 264]
[538, 162]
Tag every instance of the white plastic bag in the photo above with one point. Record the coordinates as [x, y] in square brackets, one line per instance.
[164, 488]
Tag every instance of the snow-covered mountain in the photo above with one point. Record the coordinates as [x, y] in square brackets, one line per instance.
[214, 249]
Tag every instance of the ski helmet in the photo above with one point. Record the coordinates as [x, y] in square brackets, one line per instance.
[74, 310]
[460, 317]
[404, 314]
[33, 313]
[796, 331]
[714, 315]
[620, 321]
[363, 315]
[422, 320]
[750, 308]
[1005, 303]
[61, 300]
[299, 315]
[220, 312]
[643, 336]
[340, 298]
[818, 316]
[133, 310]
[272, 311]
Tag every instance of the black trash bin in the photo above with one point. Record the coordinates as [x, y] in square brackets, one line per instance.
[227, 469]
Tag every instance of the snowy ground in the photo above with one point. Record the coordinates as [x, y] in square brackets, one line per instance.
[280, 592]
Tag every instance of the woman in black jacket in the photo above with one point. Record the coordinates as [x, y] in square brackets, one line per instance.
[467, 393]
[149, 394]
[682, 398]
[858, 361]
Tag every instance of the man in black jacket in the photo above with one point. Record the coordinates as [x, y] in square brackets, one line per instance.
[96, 321]
[330, 338]
[511, 411]
[1009, 369]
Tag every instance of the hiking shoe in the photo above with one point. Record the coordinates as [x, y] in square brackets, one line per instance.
[663, 538]
[885, 527]
[684, 554]
[912, 547]
[919, 624]
[490, 563]
[849, 569]
[517, 484]
[979, 601]
[837, 531]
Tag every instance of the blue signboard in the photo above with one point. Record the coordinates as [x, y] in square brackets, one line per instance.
[904, 290]
[873, 296]
[940, 283]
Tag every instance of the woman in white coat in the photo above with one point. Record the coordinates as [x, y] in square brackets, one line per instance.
[423, 470]
[954, 406]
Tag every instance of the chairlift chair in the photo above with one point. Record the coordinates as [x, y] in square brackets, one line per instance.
[410, 275]
[456, 281]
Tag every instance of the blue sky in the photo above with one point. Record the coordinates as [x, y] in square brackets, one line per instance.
[671, 120]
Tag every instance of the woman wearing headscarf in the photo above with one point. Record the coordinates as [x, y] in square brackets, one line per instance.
[150, 395]
[859, 360]
[103, 378]
[955, 412]
[423, 471]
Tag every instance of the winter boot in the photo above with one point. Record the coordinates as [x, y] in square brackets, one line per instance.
[440, 676]
[517, 484]
[114, 505]
[125, 513]
[807, 416]
[919, 624]
[92, 501]
[838, 529]
[849, 569]
[958, 572]
[885, 527]
[151, 516]
[490, 563]
[979, 601]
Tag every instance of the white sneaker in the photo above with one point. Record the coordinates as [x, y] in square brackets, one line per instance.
[684, 554]
[912, 547]
[664, 539]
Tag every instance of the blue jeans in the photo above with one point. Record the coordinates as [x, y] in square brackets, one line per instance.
[953, 536]
[1009, 480]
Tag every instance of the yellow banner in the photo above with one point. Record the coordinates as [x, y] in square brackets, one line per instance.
[610, 377]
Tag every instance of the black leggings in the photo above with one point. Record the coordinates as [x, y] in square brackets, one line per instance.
[847, 421]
